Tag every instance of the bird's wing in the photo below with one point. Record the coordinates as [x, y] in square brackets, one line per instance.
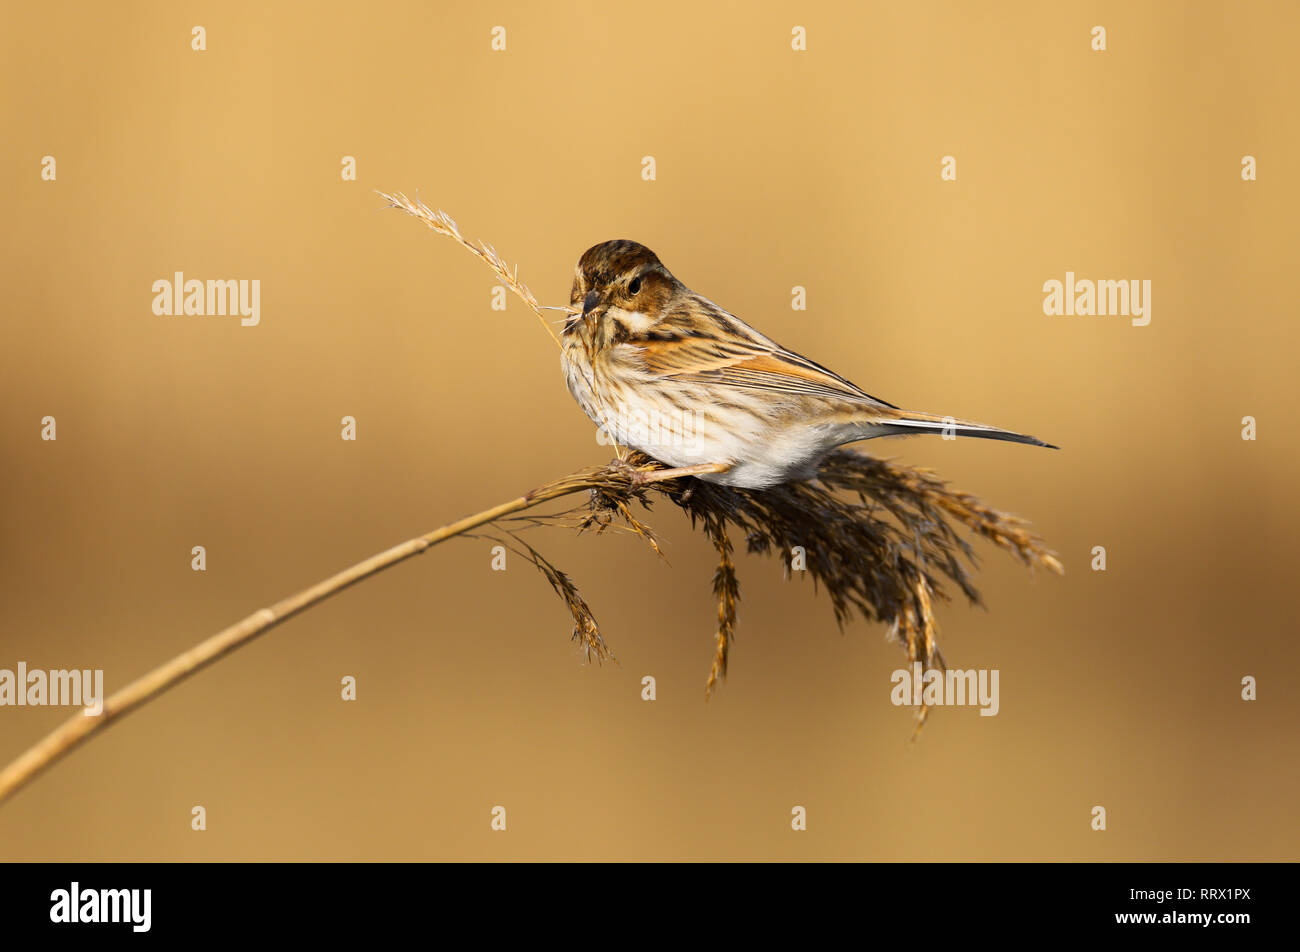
[740, 357]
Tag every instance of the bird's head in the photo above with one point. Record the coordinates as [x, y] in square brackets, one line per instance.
[621, 288]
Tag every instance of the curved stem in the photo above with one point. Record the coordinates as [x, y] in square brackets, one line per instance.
[81, 726]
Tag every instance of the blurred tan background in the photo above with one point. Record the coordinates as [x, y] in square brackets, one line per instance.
[775, 168]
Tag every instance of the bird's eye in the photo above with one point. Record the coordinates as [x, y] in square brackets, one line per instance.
[634, 286]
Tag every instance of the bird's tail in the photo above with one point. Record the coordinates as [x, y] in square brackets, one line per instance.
[909, 422]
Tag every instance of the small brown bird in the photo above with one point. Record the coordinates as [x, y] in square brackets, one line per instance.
[665, 371]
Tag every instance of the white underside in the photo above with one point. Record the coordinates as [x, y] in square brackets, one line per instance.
[762, 450]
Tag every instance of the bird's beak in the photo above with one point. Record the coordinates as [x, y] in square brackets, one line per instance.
[590, 301]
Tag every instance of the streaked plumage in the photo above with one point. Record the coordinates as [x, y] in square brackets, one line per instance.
[670, 373]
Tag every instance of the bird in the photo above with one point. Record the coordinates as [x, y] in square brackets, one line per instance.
[664, 370]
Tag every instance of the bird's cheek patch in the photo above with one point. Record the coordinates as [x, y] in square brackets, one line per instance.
[636, 322]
